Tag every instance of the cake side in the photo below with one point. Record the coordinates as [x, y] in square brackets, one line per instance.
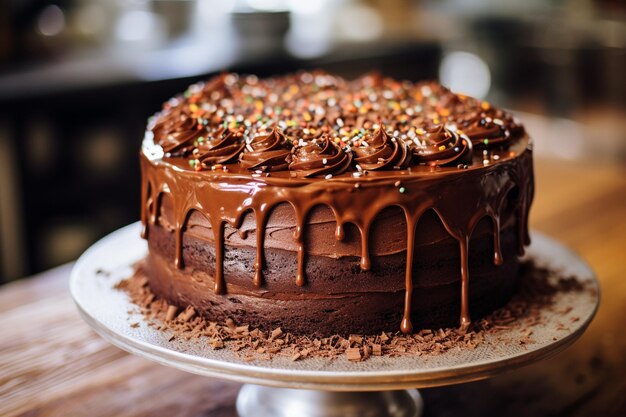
[339, 298]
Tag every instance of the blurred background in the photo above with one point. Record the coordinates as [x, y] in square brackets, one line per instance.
[79, 78]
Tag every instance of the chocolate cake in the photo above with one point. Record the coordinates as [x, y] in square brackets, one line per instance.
[326, 206]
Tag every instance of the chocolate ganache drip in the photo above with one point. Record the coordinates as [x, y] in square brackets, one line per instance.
[435, 132]
[320, 158]
[267, 152]
[382, 152]
[441, 146]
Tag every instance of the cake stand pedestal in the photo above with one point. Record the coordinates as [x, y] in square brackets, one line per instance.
[318, 387]
[257, 400]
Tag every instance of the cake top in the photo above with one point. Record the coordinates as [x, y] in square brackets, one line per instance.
[318, 125]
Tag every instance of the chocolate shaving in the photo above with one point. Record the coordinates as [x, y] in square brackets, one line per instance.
[187, 314]
[276, 333]
[171, 313]
[538, 288]
[353, 354]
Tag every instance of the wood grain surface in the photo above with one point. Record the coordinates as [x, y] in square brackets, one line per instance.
[52, 364]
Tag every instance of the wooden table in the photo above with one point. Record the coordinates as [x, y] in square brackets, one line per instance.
[52, 364]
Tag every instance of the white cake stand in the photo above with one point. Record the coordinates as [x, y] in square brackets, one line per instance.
[380, 386]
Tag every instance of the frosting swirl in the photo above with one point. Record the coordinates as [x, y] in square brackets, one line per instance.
[227, 145]
[270, 152]
[382, 152]
[320, 157]
[176, 132]
[438, 145]
[488, 127]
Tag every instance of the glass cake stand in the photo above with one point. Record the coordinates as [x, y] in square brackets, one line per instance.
[380, 386]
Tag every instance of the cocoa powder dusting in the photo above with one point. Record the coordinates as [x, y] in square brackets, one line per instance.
[537, 290]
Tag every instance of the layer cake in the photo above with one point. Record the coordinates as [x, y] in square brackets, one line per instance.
[326, 206]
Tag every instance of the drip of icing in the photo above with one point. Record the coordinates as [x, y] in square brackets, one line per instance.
[146, 199]
[366, 263]
[300, 277]
[339, 232]
[299, 237]
[497, 250]
[406, 326]
[465, 319]
[260, 237]
[220, 285]
[178, 257]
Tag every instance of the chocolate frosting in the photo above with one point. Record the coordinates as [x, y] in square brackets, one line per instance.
[382, 152]
[426, 163]
[224, 148]
[441, 146]
[177, 132]
[488, 127]
[267, 152]
[320, 158]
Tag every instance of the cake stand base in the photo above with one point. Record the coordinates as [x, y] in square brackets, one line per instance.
[261, 401]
